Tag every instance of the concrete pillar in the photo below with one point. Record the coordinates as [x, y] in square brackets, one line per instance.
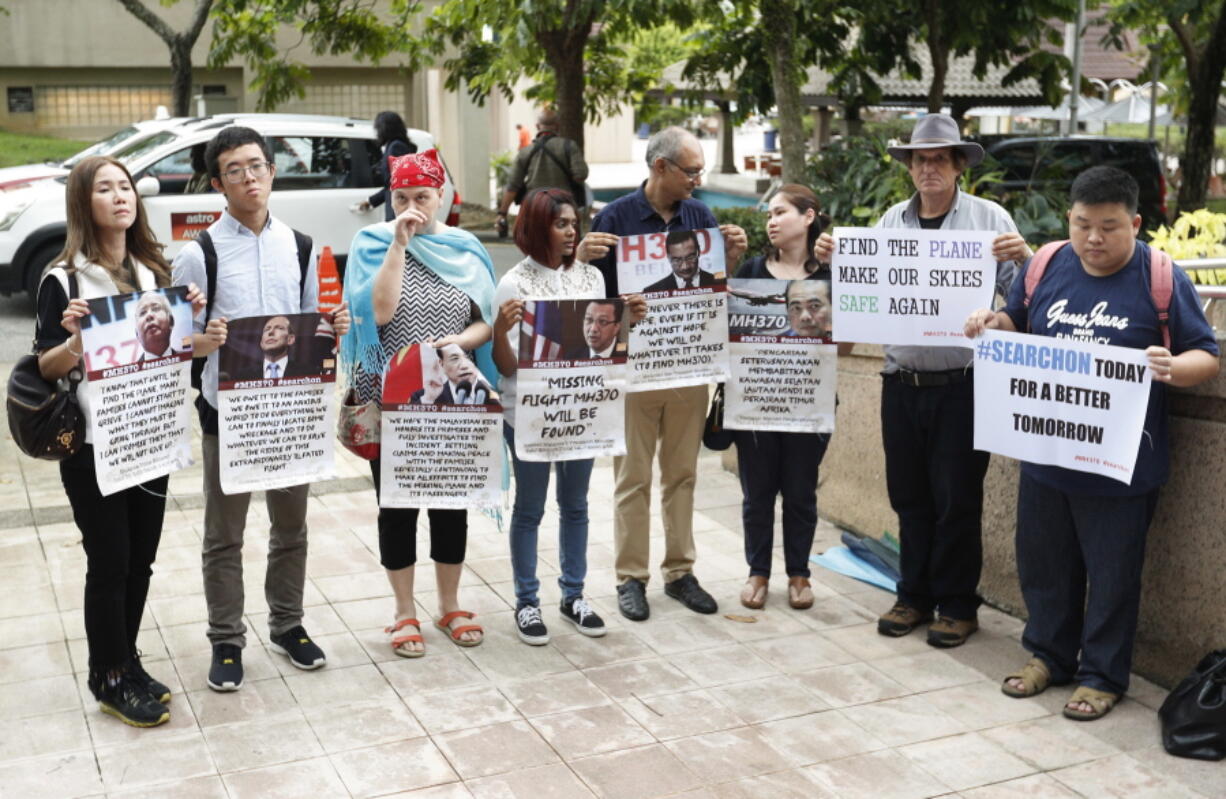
[823, 120]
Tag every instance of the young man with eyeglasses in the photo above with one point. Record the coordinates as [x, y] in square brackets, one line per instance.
[669, 420]
[258, 273]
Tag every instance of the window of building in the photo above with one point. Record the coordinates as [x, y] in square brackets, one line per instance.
[80, 106]
[21, 99]
[348, 100]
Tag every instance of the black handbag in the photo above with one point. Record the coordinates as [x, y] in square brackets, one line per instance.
[714, 435]
[45, 418]
[1194, 714]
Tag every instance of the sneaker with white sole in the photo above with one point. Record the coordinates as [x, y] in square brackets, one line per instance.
[532, 630]
[578, 612]
[295, 644]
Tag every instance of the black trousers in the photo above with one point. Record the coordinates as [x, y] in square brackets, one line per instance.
[934, 477]
[398, 533]
[772, 464]
[120, 534]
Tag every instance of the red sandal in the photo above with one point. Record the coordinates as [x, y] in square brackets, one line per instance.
[444, 624]
[399, 640]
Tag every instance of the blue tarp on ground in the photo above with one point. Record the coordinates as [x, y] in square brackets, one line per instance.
[841, 561]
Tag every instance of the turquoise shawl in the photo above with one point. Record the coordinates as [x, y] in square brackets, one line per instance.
[453, 254]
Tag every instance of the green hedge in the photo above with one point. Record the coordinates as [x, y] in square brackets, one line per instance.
[754, 223]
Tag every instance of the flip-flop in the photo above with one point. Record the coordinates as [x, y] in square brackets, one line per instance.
[398, 641]
[800, 593]
[1101, 703]
[1035, 677]
[444, 624]
[753, 595]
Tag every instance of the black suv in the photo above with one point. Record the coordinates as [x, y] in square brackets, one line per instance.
[1027, 162]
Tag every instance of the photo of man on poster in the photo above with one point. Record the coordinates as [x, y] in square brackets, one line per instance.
[456, 382]
[683, 252]
[154, 325]
[808, 303]
[602, 325]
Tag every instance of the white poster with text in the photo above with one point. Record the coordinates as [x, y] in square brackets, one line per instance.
[908, 285]
[1060, 402]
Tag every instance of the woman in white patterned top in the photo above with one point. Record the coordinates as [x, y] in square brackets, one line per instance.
[546, 231]
[414, 280]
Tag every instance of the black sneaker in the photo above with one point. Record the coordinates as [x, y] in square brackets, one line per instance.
[226, 673]
[532, 628]
[156, 689]
[128, 701]
[579, 613]
[688, 592]
[632, 600]
[298, 646]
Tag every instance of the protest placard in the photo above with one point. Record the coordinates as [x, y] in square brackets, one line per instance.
[684, 339]
[1060, 402]
[910, 286]
[571, 380]
[441, 432]
[275, 401]
[782, 360]
[138, 352]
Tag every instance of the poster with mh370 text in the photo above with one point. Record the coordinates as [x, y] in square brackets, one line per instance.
[908, 285]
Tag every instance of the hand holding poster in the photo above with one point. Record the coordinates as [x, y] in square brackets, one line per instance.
[441, 432]
[570, 379]
[783, 364]
[1060, 402]
[684, 339]
[276, 407]
[138, 352]
[910, 286]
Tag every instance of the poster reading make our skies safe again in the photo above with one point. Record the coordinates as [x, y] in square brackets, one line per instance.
[910, 286]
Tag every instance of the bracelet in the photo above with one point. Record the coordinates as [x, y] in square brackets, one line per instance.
[70, 352]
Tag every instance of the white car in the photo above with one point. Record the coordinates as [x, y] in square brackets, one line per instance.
[325, 169]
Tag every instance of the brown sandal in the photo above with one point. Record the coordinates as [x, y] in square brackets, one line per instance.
[753, 595]
[1035, 677]
[1100, 703]
[800, 593]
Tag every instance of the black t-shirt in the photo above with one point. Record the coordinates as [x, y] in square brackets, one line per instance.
[755, 268]
[52, 300]
[933, 223]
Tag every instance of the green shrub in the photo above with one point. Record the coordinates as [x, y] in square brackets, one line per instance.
[754, 223]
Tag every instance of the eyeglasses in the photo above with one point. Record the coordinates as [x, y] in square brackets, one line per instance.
[692, 258]
[587, 320]
[693, 173]
[256, 171]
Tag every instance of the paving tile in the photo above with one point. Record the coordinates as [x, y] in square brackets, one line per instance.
[344, 727]
[966, 761]
[683, 634]
[445, 711]
[1128, 727]
[38, 697]
[1050, 742]
[906, 720]
[263, 742]
[176, 759]
[437, 671]
[616, 646]
[485, 751]
[681, 715]
[72, 774]
[452, 790]
[403, 765]
[315, 778]
[23, 631]
[728, 755]
[851, 684]
[34, 662]
[1205, 776]
[195, 788]
[591, 731]
[1122, 776]
[640, 678]
[1036, 786]
[329, 686]
[981, 705]
[801, 652]
[818, 737]
[876, 775]
[543, 782]
[768, 699]
[646, 773]
[721, 666]
[927, 671]
[792, 784]
[837, 611]
[560, 693]
[863, 641]
[53, 733]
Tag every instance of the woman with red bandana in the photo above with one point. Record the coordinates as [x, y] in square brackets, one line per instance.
[412, 280]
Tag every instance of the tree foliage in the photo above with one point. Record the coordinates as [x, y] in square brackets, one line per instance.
[180, 44]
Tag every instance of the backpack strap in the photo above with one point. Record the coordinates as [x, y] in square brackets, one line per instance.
[210, 271]
[1038, 265]
[303, 242]
[74, 291]
[1161, 287]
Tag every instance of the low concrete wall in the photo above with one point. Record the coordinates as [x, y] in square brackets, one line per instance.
[1182, 613]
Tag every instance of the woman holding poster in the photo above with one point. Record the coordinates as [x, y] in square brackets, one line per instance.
[553, 268]
[110, 250]
[774, 463]
[413, 280]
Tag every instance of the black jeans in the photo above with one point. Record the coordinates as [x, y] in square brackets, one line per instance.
[1062, 540]
[398, 533]
[120, 534]
[771, 464]
[934, 477]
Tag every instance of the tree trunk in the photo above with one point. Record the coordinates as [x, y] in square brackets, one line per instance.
[569, 82]
[780, 16]
[1205, 70]
[853, 125]
[181, 77]
[727, 157]
[938, 52]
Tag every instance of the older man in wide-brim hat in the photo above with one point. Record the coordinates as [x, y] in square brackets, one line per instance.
[934, 475]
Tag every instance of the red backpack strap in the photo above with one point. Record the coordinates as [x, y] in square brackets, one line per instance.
[1038, 265]
[1161, 286]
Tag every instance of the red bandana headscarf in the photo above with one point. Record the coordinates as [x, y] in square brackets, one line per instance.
[417, 169]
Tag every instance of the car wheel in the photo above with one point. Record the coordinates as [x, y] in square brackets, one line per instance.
[37, 265]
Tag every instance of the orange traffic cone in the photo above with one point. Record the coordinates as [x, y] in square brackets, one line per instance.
[329, 282]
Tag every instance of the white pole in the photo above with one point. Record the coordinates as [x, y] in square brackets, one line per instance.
[1075, 94]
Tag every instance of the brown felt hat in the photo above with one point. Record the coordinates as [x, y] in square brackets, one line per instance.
[938, 130]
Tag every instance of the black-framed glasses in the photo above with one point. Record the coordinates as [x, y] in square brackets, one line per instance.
[257, 171]
[694, 173]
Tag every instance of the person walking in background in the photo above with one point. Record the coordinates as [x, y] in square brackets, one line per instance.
[416, 280]
[670, 419]
[393, 138]
[553, 268]
[770, 463]
[525, 138]
[110, 250]
[552, 162]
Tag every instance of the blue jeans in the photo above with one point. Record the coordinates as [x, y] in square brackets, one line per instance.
[531, 486]
[1063, 541]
